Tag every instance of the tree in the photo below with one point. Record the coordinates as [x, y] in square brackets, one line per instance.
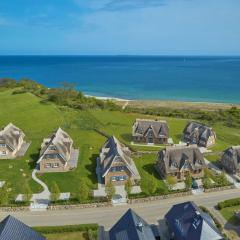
[151, 185]
[83, 191]
[128, 186]
[171, 182]
[207, 173]
[188, 182]
[55, 192]
[206, 182]
[222, 179]
[110, 190]
[4, 194]
[27, 192]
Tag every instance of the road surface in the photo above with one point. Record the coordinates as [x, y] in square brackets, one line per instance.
[150, 211]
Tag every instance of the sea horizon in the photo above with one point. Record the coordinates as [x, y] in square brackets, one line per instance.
[190, 78]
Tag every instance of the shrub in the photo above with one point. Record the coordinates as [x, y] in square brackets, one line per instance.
[67, 228]
[19, 91]
[229, 203]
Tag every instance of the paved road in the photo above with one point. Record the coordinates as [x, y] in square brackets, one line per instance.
[151, 211]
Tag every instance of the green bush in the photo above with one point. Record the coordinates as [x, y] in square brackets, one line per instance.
[75, 201]
[67, 228]
[13, 204]
[159, 192]
[19, 91]
[229, 203]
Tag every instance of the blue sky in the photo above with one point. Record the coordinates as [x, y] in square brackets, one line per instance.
[148, 27]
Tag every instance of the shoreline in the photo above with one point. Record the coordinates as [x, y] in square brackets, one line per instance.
[177, 104]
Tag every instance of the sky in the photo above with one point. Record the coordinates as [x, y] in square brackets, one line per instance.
[119, 27]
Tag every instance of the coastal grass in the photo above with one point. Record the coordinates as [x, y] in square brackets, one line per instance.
[38, 119]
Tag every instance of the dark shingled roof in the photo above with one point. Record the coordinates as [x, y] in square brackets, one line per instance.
[178, 157]
[13, 229]
[197, 132]
[131, 227]
[189, 222]
[159, 128]
[233, 154]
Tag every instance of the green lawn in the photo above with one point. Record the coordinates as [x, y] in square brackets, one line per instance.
[38, 120]
[145, 165]
[228, 214]
[67, 236]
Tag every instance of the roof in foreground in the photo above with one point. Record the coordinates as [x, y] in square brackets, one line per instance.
[131, 227]
[13, 229]
[189, 222]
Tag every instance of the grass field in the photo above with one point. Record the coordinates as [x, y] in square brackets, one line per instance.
[66, 236]
[38, 120]
[228, 214]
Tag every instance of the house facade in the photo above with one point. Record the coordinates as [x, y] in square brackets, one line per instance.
[115, 163]
[57, 153]
[150, 131]
[196, 133]
[180, 162]
[186, 221]
[230, 159]
[11, 141]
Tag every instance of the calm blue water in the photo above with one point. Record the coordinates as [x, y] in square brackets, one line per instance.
[215, 79]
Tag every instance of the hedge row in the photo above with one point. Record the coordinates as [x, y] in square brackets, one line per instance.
[13, 203]
[229, 203]
[162, 193]
[67, 228]
[73, 201]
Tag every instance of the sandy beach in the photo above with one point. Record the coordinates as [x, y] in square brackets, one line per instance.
[168, 104]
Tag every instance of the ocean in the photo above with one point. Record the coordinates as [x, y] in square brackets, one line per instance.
[183, 78]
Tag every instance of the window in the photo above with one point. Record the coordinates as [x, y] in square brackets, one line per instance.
[118, 169]
[48, 165]
[52, 147]
[2, 145]
[51, 156]
[3, 153]
[56, 165]
[118, 178]
[113, 179]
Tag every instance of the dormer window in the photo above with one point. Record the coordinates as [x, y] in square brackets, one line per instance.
[52, 147]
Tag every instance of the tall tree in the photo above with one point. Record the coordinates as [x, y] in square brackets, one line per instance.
[4, 194]
[55, 192]
[128, 186]
[27, 192]
[110, 190]
[152, 185]
[188, 181]
[83, 191]
[171, 182]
